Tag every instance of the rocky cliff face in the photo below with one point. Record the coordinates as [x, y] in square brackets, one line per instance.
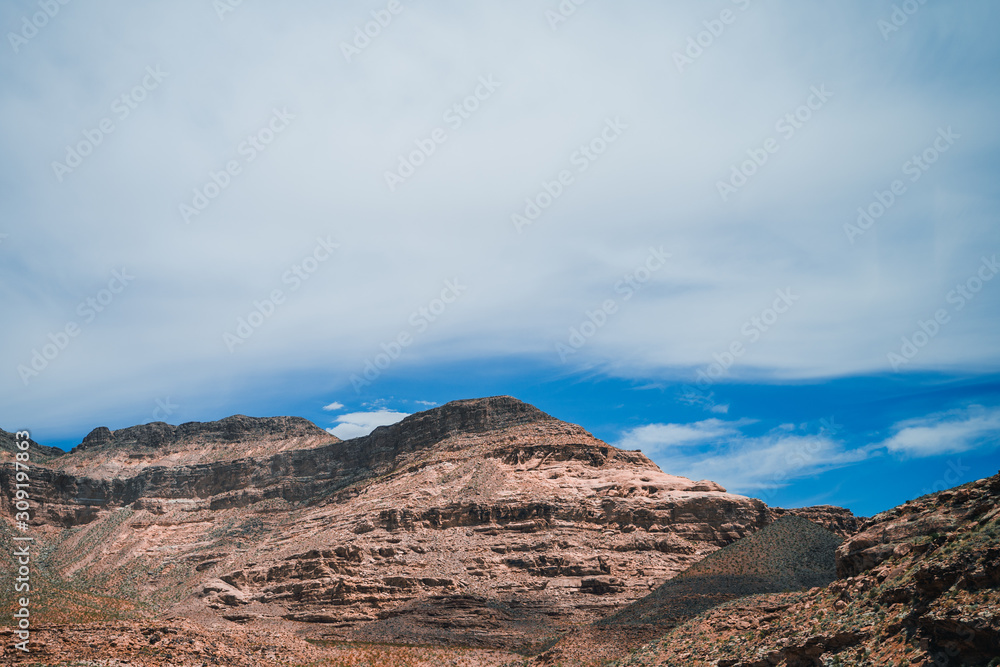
[918, 525]
[482, 522]
[833, 518]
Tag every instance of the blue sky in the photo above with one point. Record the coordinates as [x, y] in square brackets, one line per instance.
[756, 240]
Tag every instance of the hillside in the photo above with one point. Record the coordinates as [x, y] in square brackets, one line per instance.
[919, 585]
[790, 554]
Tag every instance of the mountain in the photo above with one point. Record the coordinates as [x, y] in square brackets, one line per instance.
[918, 585]
[480, 523]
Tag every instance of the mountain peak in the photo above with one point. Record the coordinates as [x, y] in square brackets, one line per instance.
[474, 415]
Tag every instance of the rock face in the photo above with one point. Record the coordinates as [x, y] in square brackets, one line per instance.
[483, 522]
[901, 528]
[919, 585]
[835, 519]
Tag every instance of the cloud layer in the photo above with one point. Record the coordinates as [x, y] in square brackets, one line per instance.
[300, 258]
[946, 433]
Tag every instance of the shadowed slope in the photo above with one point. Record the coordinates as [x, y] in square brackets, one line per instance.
[790, 554]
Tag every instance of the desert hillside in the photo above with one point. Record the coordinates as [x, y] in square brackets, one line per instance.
[918, 585]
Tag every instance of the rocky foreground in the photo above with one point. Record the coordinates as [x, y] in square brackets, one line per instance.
[484, 531]
[918, 585]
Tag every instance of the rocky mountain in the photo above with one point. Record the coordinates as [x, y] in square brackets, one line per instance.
[482, 523]
[918, 585]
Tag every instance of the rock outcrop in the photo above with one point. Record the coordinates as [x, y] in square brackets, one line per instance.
[908, 526]
[919, 585]
[835, 519]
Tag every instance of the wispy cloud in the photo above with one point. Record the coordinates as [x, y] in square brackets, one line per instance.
[720, 451]
[946, 433]
[334, 406]
[659, 438]
[357, 424]
[857, 300]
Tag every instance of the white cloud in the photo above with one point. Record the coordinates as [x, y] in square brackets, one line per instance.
[334, 406]
[657, 438]
[720, 451]
[357, 424]
[655, 186]
[946, 433]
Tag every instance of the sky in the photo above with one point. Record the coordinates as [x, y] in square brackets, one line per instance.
[755, 240]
